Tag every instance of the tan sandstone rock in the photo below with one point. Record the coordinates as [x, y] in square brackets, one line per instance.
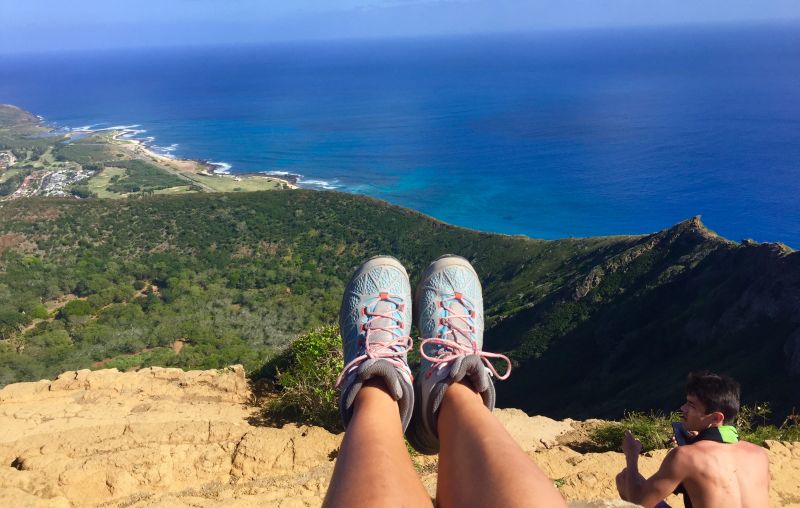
[169, 438]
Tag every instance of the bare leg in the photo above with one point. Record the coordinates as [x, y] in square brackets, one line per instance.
[373, 468]
[480, 464]
[622, 484]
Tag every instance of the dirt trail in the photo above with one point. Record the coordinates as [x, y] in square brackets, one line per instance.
[164, 437]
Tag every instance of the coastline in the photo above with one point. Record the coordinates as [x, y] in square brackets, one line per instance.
[197, 171]
[135, 142]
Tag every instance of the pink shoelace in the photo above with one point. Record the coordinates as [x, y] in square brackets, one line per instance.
[460, 327]
[392, 351]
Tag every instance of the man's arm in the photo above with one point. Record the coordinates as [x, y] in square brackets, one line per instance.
[648, 492]
[632, 480]
[656, 488]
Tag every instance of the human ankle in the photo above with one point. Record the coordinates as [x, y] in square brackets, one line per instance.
[459, 396]
[374, 390]
[462, 388]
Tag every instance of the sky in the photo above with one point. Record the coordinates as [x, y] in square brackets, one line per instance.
[45, 25]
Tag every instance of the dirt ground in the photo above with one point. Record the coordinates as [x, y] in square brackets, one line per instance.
[164, 437]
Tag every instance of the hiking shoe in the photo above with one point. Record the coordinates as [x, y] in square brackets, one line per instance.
[375, 322]
[448, 307]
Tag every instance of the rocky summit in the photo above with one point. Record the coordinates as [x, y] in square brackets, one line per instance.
[165, 437]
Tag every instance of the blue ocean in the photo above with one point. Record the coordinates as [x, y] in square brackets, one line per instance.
[549, 135]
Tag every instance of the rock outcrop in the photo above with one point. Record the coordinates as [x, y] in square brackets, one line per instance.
[164, 437]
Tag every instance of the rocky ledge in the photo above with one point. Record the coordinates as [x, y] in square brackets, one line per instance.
[165, 437]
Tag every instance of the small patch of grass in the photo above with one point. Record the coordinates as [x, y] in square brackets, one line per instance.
[176, 190]
[654, 430]
[303, 377]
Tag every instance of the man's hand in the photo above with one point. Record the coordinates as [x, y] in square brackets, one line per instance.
[631, 446]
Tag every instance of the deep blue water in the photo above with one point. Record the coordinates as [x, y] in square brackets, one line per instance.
[563, 134]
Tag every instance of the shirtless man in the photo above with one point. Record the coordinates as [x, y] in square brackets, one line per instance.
[715, 469]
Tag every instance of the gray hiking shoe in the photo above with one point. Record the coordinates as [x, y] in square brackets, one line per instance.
[449, 312]
[375, 321]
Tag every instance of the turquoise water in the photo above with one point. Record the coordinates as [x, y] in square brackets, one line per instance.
[564, 134]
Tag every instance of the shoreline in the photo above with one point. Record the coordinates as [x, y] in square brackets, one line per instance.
[122, 137]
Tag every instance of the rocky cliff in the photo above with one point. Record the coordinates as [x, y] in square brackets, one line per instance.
[165, 437]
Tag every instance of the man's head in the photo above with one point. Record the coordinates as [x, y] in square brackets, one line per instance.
[711, 400]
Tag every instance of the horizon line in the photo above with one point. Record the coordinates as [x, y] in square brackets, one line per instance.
[288, 42]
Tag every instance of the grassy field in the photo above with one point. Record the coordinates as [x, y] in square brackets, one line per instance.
[99, 182]
[93, 149]
[143, 176]
[47, 159]
[9, 173]
[176, 190]
[229, 184]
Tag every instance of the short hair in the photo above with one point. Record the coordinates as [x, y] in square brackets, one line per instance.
[717, 392]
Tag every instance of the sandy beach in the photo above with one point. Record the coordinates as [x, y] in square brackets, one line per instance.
[198, 172]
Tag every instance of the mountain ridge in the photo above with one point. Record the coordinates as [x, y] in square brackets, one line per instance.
[595, 326]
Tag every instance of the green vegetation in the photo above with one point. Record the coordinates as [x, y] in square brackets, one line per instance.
[235, 276]
[10, 173]
[140, 177]
[303, 377]
[654, 430]
[228, 184]
[178, 190]
[11, 182]
[89, 150]
[22, 134]
[594, 326]
[100, 182]
[82, 191]
[120, 168]
[114, 177]
[156, 356]
[753, 424]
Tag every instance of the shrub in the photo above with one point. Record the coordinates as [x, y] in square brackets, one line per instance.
[10, 322]
[158, 356]
[303, 378]
[39, 312]
[75, 308]
[752, 424]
